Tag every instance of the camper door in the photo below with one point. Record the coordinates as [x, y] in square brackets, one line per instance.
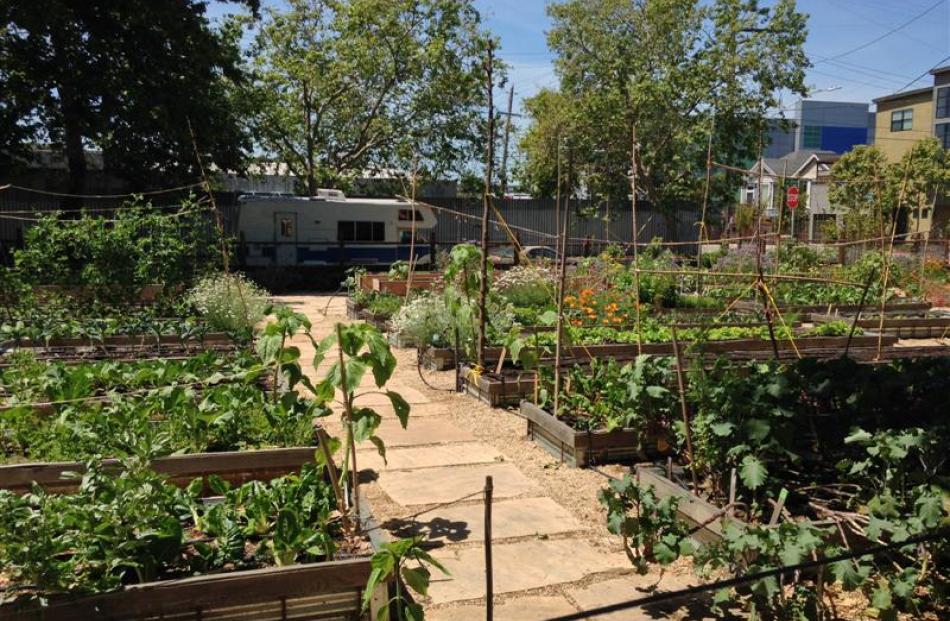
[285, 237]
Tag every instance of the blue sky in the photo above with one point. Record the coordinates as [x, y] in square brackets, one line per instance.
[835, 27]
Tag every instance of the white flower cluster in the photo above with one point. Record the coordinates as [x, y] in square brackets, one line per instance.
[229, 302]
[527, 285]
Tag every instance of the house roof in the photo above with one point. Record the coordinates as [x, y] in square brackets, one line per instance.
[903, 94]
[940, 70]
[792, 163]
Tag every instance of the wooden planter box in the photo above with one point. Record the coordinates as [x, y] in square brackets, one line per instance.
[497, 390]
[580, 448]
[382, 283]
[353, 309]
[402, 342]
[214, 339]
[928, 324]
[311, 591]
[233, 466]
[438, 358]
[692, 509]
[803, 309]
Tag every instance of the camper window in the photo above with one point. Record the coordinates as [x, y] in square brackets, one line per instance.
[405, 215]
[348, 230]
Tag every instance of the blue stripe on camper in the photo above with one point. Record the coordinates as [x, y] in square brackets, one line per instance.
[355, 254]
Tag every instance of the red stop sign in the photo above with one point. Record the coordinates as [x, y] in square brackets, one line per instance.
[792, 198]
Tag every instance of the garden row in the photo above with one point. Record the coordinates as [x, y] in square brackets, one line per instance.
[167, 457]
[762, 435]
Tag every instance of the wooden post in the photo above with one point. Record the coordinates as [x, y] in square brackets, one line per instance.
[504, 149]
[702, 220]
[489, 163]
[489, 578]
[412, 230]
[683, 408]
[562, 269]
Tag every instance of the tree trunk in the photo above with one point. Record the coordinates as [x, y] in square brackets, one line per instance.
[73, 148]
[308, 123]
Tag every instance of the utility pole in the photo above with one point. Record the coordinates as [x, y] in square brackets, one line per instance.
[504, 149]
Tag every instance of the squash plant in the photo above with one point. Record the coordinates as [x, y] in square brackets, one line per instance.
[828, 456]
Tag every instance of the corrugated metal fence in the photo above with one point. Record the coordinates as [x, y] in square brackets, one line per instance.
[535, 222]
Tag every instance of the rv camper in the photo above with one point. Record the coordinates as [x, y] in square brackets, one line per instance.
[330, 229]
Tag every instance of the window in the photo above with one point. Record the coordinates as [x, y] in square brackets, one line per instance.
[811, 137]
[943, 102]
[405, 215]
[347, 230]
[902, 120]
[943, 134]
[286, 227]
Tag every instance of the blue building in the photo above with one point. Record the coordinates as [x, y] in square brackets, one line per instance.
[833, 126]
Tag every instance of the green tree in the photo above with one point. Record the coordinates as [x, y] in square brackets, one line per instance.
[126, 77]
[928, 173]
[341, 86]
[676, 70]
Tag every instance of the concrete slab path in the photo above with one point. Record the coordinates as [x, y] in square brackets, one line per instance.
[552, 554]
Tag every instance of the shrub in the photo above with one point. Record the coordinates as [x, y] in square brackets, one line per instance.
[425, 320]
[527, 285]
[230, 302]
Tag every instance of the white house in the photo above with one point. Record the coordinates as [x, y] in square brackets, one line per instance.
[811, 170]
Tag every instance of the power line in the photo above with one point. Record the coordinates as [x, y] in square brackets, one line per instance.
[885, 35]
[127, 195]
[924, 74]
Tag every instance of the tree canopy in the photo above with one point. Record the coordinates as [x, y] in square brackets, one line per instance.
[125, 77]
[871, 191]
[678, 71]
[341, 86]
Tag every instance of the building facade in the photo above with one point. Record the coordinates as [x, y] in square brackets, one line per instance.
[833, 126]
[905, 118]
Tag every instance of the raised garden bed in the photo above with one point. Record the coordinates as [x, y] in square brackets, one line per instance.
[925, 324]
[329, 590]
[803, 309]
[353, 309]
[497, 390]
[208, 341]
[232, 466]
[580, 448]
[703, 517]
[382, 283]
[442, 359]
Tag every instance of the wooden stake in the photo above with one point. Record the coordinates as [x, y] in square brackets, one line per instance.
[489, 578]
[489, 164]
[562, 267]
[636, 231]
[323, 441]
[684, 409]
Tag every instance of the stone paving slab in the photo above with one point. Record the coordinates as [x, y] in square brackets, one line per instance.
[523, 517]
[518, 566]
[428, 457]
[435, 485]
[421, 432]
[618, 590]
[416, 410]
[535, 608]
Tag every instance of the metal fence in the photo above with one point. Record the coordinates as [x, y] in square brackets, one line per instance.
[534, 221]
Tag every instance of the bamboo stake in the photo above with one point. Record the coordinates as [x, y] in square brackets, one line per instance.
[323, 441]
[489, 569]
[889, 257]
[703, 236]
[412, 230]
[684, 409]
[562, 270]
[636, 231]
[348, 414]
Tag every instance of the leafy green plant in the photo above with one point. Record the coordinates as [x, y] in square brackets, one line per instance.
[116, 255]
[133, 527]
[408, 562]
[648, 525]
